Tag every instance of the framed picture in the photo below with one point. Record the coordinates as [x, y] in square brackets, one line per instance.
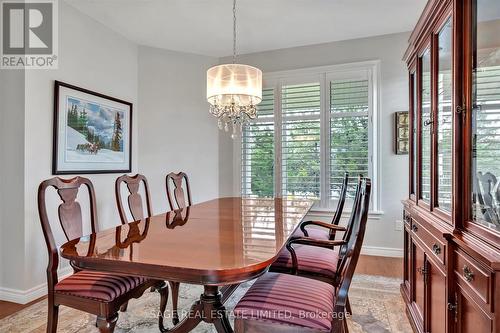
[402, 137]
[92, 132]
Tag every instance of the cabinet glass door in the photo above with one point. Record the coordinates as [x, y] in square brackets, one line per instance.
[444, 116]
[485, 155]
[426, 122]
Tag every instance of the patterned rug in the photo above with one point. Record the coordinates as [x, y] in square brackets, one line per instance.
[376, 304]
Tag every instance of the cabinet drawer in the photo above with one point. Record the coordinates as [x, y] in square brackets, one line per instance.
[435, 247]
[473, 277]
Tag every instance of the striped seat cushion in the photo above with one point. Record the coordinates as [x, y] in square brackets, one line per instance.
[98, 285]
[310, 259]
[316, 233]
[288, 300]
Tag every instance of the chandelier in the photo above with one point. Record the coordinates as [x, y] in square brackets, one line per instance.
[233, 91]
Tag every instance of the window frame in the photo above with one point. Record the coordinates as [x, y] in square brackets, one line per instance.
[324, 75]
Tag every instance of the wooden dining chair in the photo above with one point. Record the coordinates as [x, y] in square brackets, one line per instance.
[136, 209]
[318, 258]
[320, 231]
[98, 293]
[134, 199]
[180, 198]
[488, 196]
[278, 303]
[309, 257]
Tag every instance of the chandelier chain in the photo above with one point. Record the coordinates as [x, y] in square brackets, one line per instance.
[234, 31]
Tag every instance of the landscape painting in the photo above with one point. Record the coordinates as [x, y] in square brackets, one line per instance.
[92, 132]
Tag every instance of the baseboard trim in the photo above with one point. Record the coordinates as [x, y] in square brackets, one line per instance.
[382, 251]
[25, 296]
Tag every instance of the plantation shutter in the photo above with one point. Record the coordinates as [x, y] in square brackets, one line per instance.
[349, 123]
[300, 140]
[257, 170]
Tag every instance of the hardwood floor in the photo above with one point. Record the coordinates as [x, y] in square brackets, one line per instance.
[8, 308]
[383, 266]
[370, 265]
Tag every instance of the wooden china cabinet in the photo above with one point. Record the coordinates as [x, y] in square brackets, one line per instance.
[452, 216]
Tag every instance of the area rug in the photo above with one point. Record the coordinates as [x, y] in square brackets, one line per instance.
[376, 304]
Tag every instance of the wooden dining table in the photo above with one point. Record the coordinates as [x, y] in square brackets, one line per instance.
[218, 244]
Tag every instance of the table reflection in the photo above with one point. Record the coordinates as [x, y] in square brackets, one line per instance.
[220, 234]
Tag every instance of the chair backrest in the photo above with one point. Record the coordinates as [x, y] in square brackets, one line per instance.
[178, 196]
[346, 271]
[135, 200]
[341, 202]
[355, 203]
[488, 195]
[70, 217]
[354, 225]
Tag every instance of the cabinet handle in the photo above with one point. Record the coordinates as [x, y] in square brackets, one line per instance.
[436, 249]
[468, 274]
[453, 307]
[414, 228]
[428, 122]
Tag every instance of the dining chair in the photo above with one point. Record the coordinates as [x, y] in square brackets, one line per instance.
[488, 196]
[134, 199]
[317, 258]
[99, 293]
[278, 303]
[320, 231]
[178, 196]
[136, 209]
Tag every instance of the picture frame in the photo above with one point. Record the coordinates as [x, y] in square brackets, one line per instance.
[92, 132]
[401, 133]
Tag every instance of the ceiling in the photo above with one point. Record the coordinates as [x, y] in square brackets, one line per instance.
[205, 26]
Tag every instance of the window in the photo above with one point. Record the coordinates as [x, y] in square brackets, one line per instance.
[300, 140]
[349, 107]
[312, 126]
[257, 151]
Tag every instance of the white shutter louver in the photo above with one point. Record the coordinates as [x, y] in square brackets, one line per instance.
[349, 106]
[257, 167]
[301, 105]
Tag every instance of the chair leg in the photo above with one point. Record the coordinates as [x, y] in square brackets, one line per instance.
[52, 316]
[163, 291]
[348, 306]
[346, 326]
[107, 325]
[175, 296]
[124, 307]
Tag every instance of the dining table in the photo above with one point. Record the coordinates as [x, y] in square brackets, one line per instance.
[218, 244]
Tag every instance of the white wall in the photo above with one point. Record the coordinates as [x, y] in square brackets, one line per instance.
[11, 179]
[176, 133]
[172, 131]
[381, 236]
[93, 57]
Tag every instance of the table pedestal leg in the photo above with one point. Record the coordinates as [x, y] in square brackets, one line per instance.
[208, 309]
